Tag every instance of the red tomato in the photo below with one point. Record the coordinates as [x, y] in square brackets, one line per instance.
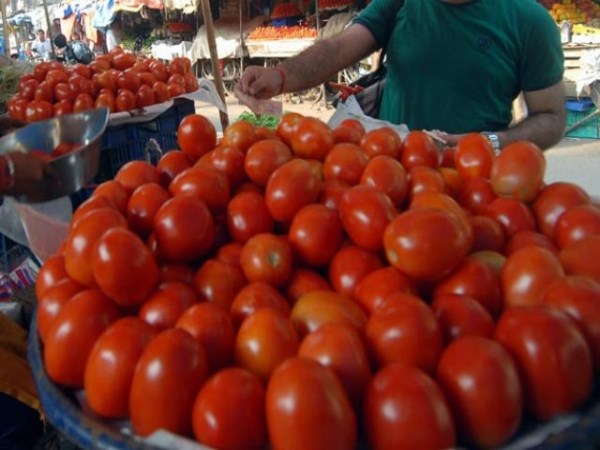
[476, 195]
[51, 272]
[312, 139]
[27, 89]
[217, 411]
[552, 355]
[331, 193]
[386, 174]
[143, 204]
[349, 266]
[365, 212]
[493, 380]
[255, 296]
[108, 80]
[292, 186]
[425, 179]
[44, 92]
[474, 278]
[170, 165]
[218, 282]
[340, 348]
[191, 82]
[204, 183]
[211, 326]
[488, 234]
[316, 308]
[19, 109]
[144, 96]
[123, 267]
[184, 229]
[125, 100]
[461, 315]
[83, 102]
[115, 193]
[230, 253]
[346, 134]
[419, 150]
[164, 398]
[553, 201]
[73, 333]
[307, 408]
[380, 142]
[581, 258]
[107, 100]
[163, 308]
[40, 70]
[51, 302]
[82, 239]
[405, 331]
[315, 235]
[577, 223]
[111, 364]
[175, 89]
[518, 171]
[527, 238]
[372, 290]
[43, 109]
[345, 162]
[263, 157]
[303, 281]
[288, 125]
[247, 216]
[579, 297]
[265, 339]
[55, 76]
[526, 273]
[400, 403]
[161, 92]
[158, 69]
[130, 81]
[240, 134]
[182, 273]
[413, 245]
[196, 136]
[136, 173]
[123, 61]
[90, 204]
[230, 161]
[268, 258]
[512, 214]
[474, 156]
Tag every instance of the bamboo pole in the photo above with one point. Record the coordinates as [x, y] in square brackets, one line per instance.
[5, 29]
[49, 25]
[214, 57]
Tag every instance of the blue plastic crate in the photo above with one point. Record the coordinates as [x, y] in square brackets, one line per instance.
[579, 104]
[124, 143]
[589, 129]
[286, 21]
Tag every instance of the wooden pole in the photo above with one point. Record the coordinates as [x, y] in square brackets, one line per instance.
[214, 57]
[5, 29]
[49, 25]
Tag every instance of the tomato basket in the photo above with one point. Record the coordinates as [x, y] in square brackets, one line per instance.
[127, 142]
[579, 430]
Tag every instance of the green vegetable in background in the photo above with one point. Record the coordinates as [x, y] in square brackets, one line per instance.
[262, 120]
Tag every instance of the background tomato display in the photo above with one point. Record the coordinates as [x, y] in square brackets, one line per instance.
[117, 81]
[317, 288]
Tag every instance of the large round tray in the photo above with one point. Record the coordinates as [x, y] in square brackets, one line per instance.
[578, 431]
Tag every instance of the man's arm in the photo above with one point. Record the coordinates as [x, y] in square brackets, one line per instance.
[313, 66]
[545, 122]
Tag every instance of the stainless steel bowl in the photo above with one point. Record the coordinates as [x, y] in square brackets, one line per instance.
[72, 171]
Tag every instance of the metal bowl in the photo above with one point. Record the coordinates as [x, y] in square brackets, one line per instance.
[71, 171]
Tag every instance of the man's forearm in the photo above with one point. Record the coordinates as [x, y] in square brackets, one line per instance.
[313, 66]
[543, 129]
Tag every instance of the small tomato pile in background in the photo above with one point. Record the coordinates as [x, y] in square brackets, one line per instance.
[310, 288]
[117, 80]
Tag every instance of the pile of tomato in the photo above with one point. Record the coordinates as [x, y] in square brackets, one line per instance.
[316, 288]
[118, 80]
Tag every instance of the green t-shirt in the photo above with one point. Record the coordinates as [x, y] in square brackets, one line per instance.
[458, 67]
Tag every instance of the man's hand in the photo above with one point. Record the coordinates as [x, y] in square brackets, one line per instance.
[31, 174]
[260, 82]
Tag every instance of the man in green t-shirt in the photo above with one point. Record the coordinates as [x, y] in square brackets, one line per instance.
[453, 65]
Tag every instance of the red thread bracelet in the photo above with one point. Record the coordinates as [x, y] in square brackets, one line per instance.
[282, 73]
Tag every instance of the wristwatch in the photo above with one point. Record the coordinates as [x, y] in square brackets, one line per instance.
[494, 139]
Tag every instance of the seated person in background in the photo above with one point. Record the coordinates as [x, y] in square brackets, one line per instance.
[75, 51]
[41, 46]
